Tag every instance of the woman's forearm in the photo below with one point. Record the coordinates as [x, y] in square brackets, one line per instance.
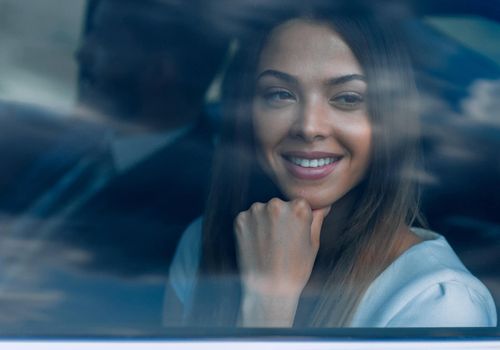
[277, 246]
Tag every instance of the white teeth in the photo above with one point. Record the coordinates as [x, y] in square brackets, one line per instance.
[312, 163]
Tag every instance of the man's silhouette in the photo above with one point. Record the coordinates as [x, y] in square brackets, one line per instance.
[130, 183]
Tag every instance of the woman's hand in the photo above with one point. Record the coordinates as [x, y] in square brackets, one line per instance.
[277, 246]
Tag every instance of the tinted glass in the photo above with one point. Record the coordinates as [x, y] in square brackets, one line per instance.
[112, 113]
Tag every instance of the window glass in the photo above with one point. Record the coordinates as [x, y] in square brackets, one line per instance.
[251, 168]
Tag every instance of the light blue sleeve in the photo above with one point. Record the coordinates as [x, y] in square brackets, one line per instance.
[184, 268]
[447, 304]
[427, 286]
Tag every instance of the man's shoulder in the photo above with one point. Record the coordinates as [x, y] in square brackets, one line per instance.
[38, 146]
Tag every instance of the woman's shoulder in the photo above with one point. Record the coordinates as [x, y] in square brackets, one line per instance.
[427, 286]
[192, 234]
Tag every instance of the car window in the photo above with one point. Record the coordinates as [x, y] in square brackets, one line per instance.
[163, 162]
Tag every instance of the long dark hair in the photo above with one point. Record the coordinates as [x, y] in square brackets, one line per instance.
[387, 197]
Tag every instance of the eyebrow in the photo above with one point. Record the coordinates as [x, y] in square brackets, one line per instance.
[293, 80]
[279, 75]
[345, 78]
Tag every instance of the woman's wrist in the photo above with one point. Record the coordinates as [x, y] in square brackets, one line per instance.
[268, 310]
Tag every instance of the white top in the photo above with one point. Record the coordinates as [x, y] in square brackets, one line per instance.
[427, 286]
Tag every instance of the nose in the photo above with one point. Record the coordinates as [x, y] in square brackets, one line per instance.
[312, 122]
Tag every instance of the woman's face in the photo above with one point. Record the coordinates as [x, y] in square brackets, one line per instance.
[309, 111]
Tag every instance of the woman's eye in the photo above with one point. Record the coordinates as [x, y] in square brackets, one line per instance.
[278, 98]
[348, 100]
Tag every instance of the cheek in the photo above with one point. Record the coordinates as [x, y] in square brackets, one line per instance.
[364, 144]
[269, 131]
[357, 138]
[365, 140]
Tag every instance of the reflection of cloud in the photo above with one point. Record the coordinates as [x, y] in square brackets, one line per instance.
[456, 152]
[423, 177]
[18, 252]
[435, 106]
[24, 296]
[483, 104]
[50, 287]
[437, 131]
[21, 255]
[15, 248]
[20, 306]
[466, 136]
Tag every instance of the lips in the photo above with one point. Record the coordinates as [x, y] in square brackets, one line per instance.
[311, 165]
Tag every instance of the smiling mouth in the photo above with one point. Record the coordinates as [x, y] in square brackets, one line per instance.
[311, 166]
[312, 163]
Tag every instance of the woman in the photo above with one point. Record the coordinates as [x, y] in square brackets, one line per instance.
[313, 195]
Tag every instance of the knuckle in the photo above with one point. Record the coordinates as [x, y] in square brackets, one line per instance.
[274, 206]
[256, 206]
[301, 208]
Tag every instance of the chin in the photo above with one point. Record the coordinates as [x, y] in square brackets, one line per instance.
[315, 204]
[314, 201]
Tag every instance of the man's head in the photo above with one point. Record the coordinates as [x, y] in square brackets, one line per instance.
[146, 62]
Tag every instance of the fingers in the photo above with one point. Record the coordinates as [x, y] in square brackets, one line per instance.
[276, 209]
[277, 244]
